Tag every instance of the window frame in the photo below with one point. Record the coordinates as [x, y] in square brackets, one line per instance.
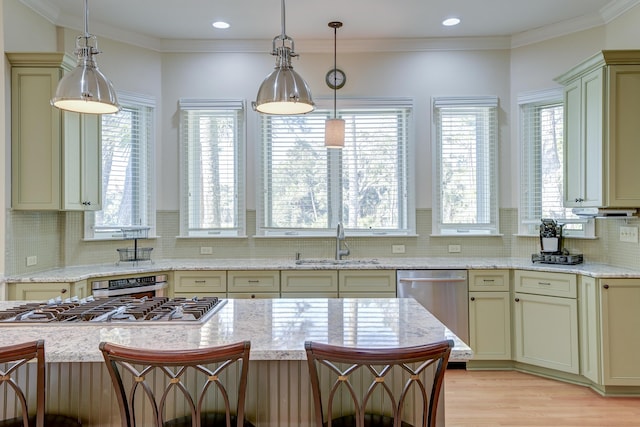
[324, 107]
[239, 107]
[91, 231]
[490, 176]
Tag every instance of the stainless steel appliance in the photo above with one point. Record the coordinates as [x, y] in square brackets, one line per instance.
[443, 292]
[115, 310]
[552, 250]
[149, 286]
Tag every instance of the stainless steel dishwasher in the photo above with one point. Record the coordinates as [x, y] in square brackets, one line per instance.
[443, 292]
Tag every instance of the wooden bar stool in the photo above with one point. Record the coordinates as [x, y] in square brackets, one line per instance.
[175, 388]
[362, 387]
[13, 360]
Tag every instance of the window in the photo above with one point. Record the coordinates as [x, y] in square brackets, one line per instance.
[466, 163]
[541, 165]
[127, 165]
[307, 188]
[212, 168]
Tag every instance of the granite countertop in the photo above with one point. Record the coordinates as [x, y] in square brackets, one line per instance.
[277, 329]
[78, 273]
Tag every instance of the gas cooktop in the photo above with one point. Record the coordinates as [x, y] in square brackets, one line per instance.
[115, 310]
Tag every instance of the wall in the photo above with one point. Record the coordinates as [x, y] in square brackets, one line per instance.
[419, 75]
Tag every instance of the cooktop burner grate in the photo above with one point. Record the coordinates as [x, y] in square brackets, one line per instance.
[115, 309]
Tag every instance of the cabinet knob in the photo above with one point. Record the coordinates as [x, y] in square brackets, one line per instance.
[517, 300]
[253, 295]
[473, 298]
[606, 286]
[63, 291]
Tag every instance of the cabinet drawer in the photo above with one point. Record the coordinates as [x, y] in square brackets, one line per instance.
[200, 282]
[489, 280]
[254, 281]
[325, 281]
[542, 283]
[367, 281]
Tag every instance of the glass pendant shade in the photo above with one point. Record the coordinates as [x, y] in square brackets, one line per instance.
[334, 133]
[85, 89]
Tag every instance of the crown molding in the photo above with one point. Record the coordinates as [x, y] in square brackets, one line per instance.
[608, 13]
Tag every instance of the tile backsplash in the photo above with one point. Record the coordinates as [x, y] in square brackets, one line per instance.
[56, 239]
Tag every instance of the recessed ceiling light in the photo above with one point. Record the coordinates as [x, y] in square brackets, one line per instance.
[449, 22]
[221, 25]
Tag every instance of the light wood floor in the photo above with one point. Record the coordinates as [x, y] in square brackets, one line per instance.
[506, 398]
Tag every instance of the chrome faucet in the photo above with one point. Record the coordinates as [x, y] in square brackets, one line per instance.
[340, 238]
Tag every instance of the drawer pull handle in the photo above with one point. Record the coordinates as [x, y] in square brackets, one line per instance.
[606, 286]
[488, 280]
[201, 281]
[544, 283]
[254, 281]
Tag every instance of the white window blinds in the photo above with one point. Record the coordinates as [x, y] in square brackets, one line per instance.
[127, 169]
[307, 188]
[466, 160]
[212, 165]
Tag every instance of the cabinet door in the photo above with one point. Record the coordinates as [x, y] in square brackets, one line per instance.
[572, 150]
[593, 139]
[490, 325]
[199, 283]
[620, 302]
[589, 323]
[35, 139]
[369, 282]
[546, 332]
[38, 291]
[81, 162]
[624, 128]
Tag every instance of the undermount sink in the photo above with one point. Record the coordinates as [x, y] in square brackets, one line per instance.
[335, 261]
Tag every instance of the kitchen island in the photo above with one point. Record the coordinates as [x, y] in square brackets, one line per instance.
[278, 391]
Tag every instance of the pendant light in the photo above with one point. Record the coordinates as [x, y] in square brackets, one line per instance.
[85, 89]
[283, 91]
[334, 128]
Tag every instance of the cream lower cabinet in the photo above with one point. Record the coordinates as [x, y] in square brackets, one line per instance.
[367, 283]
[589, 323]
[253, 284]
[490, 314]
[620, 331]
[309, 284]
[38, 291]
[546, 325]
[189, 284]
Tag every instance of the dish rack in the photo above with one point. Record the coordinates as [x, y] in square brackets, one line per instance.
[135, 253]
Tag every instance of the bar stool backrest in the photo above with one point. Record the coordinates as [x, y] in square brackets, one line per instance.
[171, 388]
[364, 387]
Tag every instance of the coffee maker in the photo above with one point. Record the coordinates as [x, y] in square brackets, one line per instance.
[551, 245]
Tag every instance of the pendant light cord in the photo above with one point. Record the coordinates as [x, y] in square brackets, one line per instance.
[86, 19]
[335, 89]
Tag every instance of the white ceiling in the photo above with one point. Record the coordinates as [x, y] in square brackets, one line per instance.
[152, 22]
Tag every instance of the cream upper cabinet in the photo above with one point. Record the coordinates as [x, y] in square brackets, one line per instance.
[55, 156]
[490, 314]
[600, 130]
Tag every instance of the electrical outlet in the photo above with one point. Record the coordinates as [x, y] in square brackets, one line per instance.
[454, 249]
[206, 250]
[629, 234]
[32, 260]
[397, 249]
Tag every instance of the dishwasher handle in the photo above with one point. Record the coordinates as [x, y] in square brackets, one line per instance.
[432, 279]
